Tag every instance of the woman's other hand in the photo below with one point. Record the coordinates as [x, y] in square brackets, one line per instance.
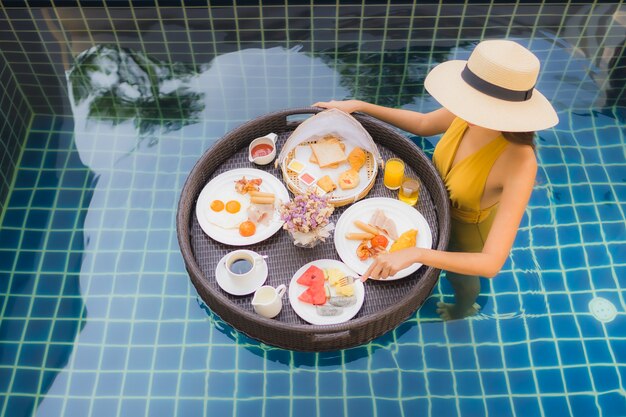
[347, 106]
[388, 264]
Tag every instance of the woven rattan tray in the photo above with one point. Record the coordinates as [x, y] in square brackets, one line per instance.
[387, 304]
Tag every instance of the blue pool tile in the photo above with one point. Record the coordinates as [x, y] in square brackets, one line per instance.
[501, 407]
[437, 357]
[217, 407]
[490, 357]
[303, 382]
[14, 217]
[306, 407]
[546, 258]
[26, 381]
[605, 378]
[358, 384]
[550, 381]
[137, 384]
[330, 384]
[362, 407]
[573, 257]
[109, 384]
[554, 405]
[195, 407]
[250, 384]
[583, 405]
[37, 219]
[463, 358]
[495, 382]
[19, 405]
[276, 407]
[472, 407]
[164, 384]
[413, 384]
[544, 354]
[565, 327]
[279, 384]
[140, 358]
[330, 407]
[578, 379]
[192, 384]
[440, 383]
[133, 407]
[444, 407]
[610, 212]
[468, 384]
[517, 355]
[579, 280]
[32, 355]
[384, 384]
[614, 232]
[558, 303]
[612, 402]
[162, 408]
[513, 330]
[526, 406]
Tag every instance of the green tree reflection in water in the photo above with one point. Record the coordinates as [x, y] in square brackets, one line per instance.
[390, 78]
[120, 84]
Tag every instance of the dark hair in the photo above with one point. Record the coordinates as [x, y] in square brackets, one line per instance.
[523, 138]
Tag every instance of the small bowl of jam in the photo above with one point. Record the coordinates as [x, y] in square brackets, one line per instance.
[262, 150]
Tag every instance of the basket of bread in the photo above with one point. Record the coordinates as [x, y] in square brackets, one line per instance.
[332, 153]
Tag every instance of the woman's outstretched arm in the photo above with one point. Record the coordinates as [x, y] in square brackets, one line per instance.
[516, 191]
[422, 124]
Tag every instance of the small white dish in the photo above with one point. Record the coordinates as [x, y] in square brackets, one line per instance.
[236, 286]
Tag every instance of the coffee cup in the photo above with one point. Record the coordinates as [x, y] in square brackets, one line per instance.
[242, 264]
[267, 300]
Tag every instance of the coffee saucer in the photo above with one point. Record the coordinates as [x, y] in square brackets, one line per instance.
[234, 286]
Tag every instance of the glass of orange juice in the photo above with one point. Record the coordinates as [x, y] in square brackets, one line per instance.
[394, 173]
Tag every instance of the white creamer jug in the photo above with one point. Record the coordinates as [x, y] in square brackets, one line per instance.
[267, 300]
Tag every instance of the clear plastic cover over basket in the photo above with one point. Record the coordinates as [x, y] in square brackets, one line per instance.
[330, 122]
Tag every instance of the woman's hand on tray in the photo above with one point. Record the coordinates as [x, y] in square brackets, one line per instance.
[347, 106]
[388, 264]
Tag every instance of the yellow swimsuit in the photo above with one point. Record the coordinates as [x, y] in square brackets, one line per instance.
[465, 182]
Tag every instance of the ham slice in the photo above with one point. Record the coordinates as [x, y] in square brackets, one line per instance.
[384, 223]
[261, 213]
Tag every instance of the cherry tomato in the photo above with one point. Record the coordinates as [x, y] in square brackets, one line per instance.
[380, 241]
[247, 228]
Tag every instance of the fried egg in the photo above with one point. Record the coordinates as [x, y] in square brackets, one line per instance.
[228, 209]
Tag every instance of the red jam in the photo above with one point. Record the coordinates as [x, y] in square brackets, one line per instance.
[262, 149]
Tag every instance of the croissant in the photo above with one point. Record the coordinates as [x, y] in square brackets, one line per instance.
[356, 158]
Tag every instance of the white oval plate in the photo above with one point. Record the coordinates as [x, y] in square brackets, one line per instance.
[406, 217]
[270, 184]
[308, 312]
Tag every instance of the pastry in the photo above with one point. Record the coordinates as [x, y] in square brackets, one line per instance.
[406, 240]
[349, 179]
[356, 158]
[326, 184]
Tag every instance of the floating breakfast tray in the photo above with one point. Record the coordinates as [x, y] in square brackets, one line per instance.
[386, 304]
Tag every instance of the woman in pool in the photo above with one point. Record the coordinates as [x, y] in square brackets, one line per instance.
[486, 159]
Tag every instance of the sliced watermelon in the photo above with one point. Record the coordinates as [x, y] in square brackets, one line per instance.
[312, 276]
[315, 295]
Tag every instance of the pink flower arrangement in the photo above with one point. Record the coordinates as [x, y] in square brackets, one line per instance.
[306, 212]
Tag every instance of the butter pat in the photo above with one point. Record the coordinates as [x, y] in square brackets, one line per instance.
[296, 166]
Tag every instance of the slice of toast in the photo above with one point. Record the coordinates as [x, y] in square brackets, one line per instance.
[328, 154]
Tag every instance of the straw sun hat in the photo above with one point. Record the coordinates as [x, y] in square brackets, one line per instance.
[494, 88]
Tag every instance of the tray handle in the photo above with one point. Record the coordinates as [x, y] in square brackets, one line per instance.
[328, 337]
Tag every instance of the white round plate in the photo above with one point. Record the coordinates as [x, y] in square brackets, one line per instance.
[308, 312]
[406, 217]
[237, 287]
[270, 184]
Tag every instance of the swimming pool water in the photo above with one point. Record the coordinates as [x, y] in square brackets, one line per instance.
[99, 318]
